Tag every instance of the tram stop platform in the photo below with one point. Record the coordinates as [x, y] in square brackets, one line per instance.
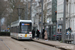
[56, 44]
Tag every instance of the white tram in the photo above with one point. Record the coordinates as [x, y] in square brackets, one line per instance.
[21, 29]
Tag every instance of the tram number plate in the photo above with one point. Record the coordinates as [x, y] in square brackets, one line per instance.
[25, 35]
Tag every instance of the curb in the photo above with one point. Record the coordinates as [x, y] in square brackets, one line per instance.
[49, 44]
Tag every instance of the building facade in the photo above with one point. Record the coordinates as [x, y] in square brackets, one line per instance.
[70, 13]
[36, 13]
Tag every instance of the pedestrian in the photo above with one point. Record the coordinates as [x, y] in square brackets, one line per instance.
[38, 33]
[43, 33]
[33, 33]
[45, 37]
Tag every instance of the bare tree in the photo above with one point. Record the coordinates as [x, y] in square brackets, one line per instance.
[2, 9]
[8, 10]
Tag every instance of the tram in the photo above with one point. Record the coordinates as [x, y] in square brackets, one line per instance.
[21, 29]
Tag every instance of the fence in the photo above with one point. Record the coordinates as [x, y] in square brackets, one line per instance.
[4, 33]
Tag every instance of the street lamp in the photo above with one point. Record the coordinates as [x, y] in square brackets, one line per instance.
[26, 10]
[19, 9]
[64, 19]
[41, 15]
[31, 9]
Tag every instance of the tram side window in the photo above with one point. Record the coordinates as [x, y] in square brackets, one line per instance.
[11, 29]
[15, 29]
[19, 29]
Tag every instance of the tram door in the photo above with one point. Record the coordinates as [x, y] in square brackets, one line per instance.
[52, 32]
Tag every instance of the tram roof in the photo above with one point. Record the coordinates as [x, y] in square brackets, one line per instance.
[25, 21]
[21, 21]
[16, 23]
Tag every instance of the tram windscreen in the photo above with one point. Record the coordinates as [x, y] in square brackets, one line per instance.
[26, 27]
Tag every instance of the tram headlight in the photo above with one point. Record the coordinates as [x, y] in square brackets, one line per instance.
[30, 32]
[29, 35]
[21, 35]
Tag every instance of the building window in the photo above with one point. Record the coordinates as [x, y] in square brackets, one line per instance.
[59, 1]
[60, 7]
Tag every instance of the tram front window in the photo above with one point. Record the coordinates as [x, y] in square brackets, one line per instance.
[25, 28]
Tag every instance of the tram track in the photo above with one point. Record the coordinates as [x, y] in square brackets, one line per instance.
[22, 45]
[31, 44]
[38, 43]
[14, 40]
[4, 44]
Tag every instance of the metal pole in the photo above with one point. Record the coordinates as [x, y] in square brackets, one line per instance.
[42, 15]
[10, 19]
[31, 10]
[56, 30]
[19, 12]
[27, 10]
[69, 11]
[0, 24]
[19, 17]
[69, 16]
[64, 19]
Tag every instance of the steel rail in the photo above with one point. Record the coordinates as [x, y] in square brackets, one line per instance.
[4, 44]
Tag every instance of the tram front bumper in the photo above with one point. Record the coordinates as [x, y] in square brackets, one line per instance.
[24, 37]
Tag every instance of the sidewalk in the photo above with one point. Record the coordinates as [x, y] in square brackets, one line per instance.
[57, 44]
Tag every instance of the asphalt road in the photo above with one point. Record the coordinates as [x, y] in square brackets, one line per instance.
[11, 44]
